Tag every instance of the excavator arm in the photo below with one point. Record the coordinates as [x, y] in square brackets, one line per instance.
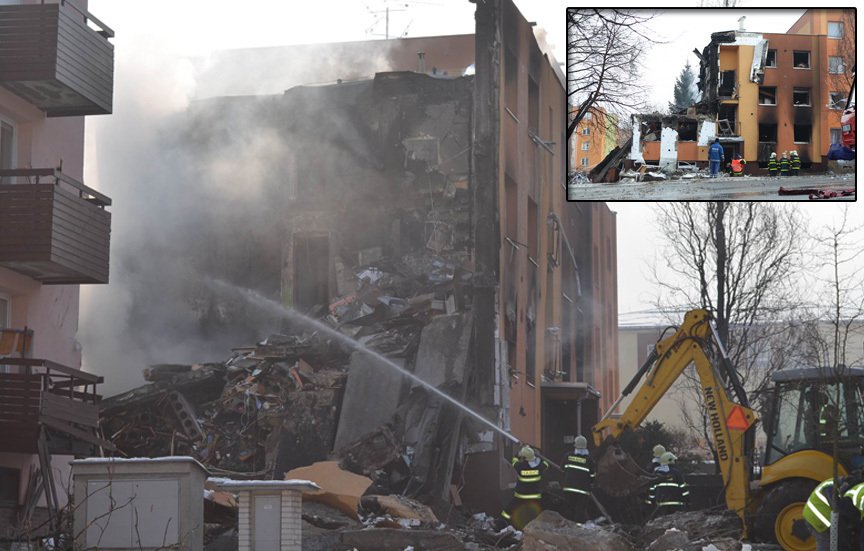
[729, 421]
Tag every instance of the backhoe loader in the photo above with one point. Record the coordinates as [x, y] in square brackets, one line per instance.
[768, 495]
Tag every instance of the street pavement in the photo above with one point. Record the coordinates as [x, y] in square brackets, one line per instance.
[705, 189]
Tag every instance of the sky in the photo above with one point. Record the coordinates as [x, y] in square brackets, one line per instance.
[161, 46]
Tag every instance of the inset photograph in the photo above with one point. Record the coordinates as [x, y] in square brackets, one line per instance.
[711, 104]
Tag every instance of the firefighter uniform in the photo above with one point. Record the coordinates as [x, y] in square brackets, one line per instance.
[669, 493]
[524, 506]
[772, 164]
[738, 166]
[817, 513]
[856, 495]
[579, 476]
[784, 165]
[795, 163]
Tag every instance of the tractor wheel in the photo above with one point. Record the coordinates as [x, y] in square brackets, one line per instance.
[780, 518]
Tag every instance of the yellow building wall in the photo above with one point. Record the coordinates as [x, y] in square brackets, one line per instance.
[748, 96]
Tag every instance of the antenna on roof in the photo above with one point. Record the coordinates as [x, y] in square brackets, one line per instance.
[741, 22]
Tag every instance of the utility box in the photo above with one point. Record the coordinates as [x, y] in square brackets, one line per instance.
[139, 503]
[269, 517]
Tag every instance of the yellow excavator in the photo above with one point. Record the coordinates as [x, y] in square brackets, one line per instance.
[768, 495]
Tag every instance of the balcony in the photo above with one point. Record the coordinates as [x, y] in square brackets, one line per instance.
[43, 394]
[51, 57]
[53, 228]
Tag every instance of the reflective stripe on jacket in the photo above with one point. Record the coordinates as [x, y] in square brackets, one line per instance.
[772, 164]
[670, 490]
[796, 163]
[784, 165]
[817, 510]
[856, 494]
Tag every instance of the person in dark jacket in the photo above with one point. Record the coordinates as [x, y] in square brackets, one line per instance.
[715, 157]
[669, 493]
[784, 165]
[794, 162]
[524, 506]
[579, 476]
[772, 164]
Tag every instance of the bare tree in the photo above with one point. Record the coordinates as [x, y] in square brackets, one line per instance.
[737, 260]
[604, 48]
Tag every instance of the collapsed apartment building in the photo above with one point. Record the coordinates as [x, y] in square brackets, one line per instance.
[761, 93]
[424, 216]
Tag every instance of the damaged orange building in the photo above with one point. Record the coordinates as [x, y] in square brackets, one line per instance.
[762, 93]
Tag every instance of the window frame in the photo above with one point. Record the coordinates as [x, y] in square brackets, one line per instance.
[586, 146]
[842, 30]
[583, 161]
[839, 135]
[842, 67]
[839, 105]
[586, 131]
[809, 135]
[759, 98]
[809, 64]
[809, 97]
[775, 59]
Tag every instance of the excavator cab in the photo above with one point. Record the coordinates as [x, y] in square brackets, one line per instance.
[811, 408]
[810, 411]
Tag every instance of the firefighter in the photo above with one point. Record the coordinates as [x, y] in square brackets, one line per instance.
[817, 513]
[658, 452]
[784, 165]
[524, 506]
[794, 162]
[738, 164]
[669, 493]
[772, 164]
[578, 479]
[856, 496]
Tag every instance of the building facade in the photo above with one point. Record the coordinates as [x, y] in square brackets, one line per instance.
[595, 136]
[762, 93]
[54, 236]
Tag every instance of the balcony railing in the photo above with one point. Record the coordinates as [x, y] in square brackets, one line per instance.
[41, 393]
[52, 58]
[53, 228]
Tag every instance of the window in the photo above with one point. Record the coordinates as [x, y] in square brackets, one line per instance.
[768, 133]
[5, 311]
[585, 146]
[835, 29]
[533, 106]
[586, 131]
[836, 136]
[837, 100]
[771, 58]
[687, 131]
[767, 95]
[511, 81]
[802, 133]
[801, 60]
[584, 161]
[587, 116]
[9, 481]
[7, 146]
[801, 96]
[836, 65]
[727, 84]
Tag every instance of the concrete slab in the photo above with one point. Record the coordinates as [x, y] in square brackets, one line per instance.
[371, 397]
[443, 350]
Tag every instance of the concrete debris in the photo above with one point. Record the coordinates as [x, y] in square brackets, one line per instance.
[398, 507]
[697, 525]
[671, 540]
[395, 539]
[654, 177]
[551, 531]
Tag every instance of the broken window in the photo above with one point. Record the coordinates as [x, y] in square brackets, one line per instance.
[533, 106]
[584, 161]
[801, 96]
[835, 29]
[651, 131]
[801, 60]
[836, 136]
[837, 100]
[727, 119]
[585, 146]
[771, 59]
[727, 84]
[767, 95]
[836, 65]
[768, 133]
[687, 131]
[802, 133]
[511, 81]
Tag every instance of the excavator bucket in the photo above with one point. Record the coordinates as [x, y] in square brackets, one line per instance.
[618, 474]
